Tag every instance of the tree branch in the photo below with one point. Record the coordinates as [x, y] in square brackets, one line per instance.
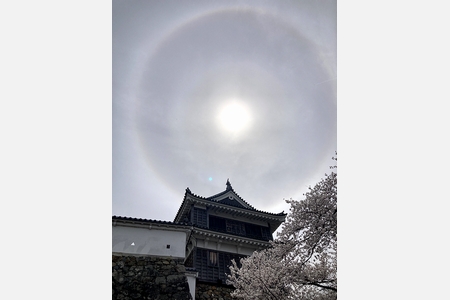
[323, 286]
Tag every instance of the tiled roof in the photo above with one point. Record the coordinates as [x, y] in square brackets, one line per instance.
[148, 221]
[227, 203]
[230, 188]
[211, 198]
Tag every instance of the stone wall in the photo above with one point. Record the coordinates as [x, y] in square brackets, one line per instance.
[144, 277]
[212, 291]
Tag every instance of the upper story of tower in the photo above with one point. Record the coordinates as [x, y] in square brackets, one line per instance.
[227, 213]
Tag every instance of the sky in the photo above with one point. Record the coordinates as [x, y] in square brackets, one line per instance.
[59, 173]
[205, 91]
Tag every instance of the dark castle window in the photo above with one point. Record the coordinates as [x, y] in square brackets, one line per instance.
[266, 233]
[217, 224]
[199, 217]
[220, 268]
[235, 227]
[239, 228]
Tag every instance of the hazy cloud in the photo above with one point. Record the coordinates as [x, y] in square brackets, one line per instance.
[176, 66]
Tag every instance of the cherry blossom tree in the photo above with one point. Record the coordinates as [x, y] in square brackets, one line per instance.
[302, 261]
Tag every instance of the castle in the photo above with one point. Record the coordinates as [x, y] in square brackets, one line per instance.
[189, 257]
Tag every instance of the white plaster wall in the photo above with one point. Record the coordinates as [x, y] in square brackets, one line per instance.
[191, 282]
[246, 251]
[148, 241]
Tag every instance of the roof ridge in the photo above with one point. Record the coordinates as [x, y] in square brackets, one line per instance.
[148, 220]
[229, 188]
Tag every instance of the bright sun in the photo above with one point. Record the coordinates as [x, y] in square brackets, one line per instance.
[234, 117]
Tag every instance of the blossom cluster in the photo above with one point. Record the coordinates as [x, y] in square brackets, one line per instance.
[302, 261]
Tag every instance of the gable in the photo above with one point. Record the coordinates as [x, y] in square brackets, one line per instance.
[231, 202]
[229, 197]
[219, 203]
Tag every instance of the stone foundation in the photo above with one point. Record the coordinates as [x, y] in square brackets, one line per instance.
[143, 277]
[213, 291]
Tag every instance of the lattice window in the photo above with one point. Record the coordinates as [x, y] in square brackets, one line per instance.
[266, 233]
[222, 261]
[239, 228]
[235, 227]
[199, 217]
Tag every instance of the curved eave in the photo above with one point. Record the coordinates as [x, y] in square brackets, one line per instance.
[185, 206]
[148, 224]
[227, 238]
[274, 220]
